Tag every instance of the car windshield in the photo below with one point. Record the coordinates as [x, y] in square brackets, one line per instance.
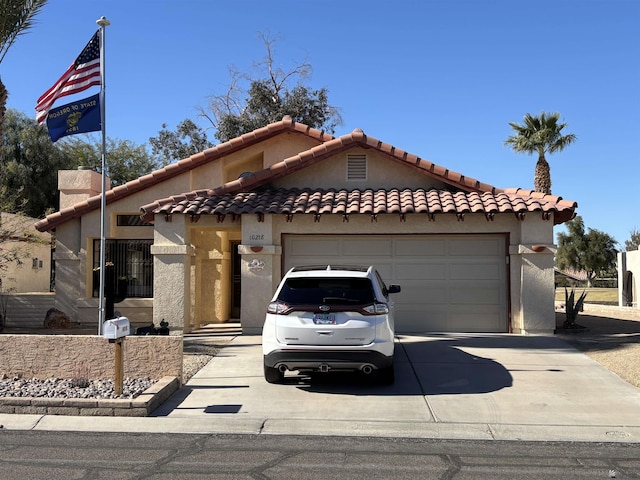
[336, 291]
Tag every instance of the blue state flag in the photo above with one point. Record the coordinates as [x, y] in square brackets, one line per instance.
[81, 116]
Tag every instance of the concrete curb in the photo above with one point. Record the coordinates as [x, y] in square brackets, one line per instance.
[278, 427]
[141, 406]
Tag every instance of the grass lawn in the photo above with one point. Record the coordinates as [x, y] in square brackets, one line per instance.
[606, 296]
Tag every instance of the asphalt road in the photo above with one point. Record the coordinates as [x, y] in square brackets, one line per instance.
[71, 455]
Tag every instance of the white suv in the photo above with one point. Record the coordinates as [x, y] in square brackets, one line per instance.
[330, 318]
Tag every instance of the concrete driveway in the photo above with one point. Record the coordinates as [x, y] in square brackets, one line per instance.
[447, 386]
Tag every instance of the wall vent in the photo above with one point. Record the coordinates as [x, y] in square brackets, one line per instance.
[357, 167]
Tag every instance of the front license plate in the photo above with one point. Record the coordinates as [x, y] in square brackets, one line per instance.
[324, 319]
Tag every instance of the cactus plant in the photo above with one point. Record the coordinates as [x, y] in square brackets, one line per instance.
[573, 307]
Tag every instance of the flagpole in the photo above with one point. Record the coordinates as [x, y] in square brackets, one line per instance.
[103, 22]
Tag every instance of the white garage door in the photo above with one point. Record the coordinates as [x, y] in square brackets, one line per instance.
[449, 283]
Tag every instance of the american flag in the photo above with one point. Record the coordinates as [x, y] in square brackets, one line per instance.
[83, 73]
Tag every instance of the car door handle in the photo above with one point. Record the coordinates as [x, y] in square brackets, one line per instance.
[324, 332]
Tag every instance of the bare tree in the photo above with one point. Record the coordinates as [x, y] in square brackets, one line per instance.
[255, 99]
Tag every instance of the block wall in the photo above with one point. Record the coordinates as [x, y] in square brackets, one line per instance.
[90, 356]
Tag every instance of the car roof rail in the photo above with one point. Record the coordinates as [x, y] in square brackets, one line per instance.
[352, 268]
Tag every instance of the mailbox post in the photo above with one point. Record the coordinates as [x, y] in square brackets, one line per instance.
[115, 331]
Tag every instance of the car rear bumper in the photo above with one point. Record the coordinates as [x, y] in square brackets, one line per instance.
[365, 360]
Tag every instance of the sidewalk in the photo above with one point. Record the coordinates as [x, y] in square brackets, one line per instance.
[457, 386]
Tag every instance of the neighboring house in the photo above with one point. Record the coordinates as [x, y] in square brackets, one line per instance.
[628, 275]
[219, 229]
[30, 272]
[571, 278]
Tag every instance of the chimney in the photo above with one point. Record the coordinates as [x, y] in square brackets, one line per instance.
[78, 185]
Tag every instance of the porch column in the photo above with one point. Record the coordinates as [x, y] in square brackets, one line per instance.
[260, 271]
[537, 292]
[172, 274]
[260, 276]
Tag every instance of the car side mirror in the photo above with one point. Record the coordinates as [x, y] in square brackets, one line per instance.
[394, 289]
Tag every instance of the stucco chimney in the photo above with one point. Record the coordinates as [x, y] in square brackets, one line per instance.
[78, 185]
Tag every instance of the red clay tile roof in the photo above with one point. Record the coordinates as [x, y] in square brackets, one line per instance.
[581, 276]
[170, 171]
[367, 202]
[322, 152]
[328, 146]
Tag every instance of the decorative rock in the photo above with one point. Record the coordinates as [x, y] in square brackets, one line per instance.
[60, 388]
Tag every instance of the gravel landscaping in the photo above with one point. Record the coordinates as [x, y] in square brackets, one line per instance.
[65, 388]
[99, 389]
[193, 363]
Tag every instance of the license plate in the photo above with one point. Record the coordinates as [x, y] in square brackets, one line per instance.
[324, 319]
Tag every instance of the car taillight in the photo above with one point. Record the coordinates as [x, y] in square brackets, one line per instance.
[277, 308]
[376, 309]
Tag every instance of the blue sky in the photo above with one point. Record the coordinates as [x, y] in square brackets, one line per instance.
[439, 79]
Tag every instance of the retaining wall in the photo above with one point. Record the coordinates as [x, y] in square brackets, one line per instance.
[623, 313]
[91, 356]
[141, 406]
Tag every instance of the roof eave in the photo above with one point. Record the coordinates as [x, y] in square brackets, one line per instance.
[50, 222]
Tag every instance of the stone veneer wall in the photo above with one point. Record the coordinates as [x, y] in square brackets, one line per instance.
[68, 356]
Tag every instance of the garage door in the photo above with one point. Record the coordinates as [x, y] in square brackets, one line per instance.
[449, 283]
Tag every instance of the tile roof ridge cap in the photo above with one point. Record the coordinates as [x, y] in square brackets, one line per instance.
[321, 135]
[523, 192]
[41, 225]
[517, 192]
[303, 156]
[148, 209]
[79, 207]
[567, 202]
[286, 123]
[358, 136]
[463, 181]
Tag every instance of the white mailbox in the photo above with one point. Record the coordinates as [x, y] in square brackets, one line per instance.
[116, 328]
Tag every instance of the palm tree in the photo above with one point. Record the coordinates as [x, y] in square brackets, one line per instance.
[540, 135]
[16, 17]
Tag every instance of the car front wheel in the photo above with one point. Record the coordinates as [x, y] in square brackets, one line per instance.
[273, 375]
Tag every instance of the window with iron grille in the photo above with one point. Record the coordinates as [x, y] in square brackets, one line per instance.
[132, 261]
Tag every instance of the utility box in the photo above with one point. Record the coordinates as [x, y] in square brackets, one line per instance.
[116, 328]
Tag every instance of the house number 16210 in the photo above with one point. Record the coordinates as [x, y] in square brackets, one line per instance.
[256, 237]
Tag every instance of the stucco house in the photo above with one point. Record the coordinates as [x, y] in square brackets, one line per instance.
[207, 239]
[31, 270]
